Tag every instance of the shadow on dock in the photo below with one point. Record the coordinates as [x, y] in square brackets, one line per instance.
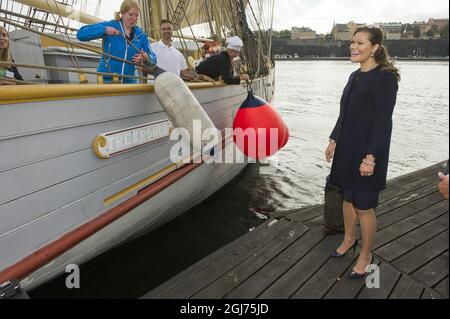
[288, 257]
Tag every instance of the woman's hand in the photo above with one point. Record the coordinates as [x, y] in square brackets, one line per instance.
[141, 57]
[367, 167]
[112, 31]
[329, 153]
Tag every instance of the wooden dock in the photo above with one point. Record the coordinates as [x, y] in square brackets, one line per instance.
[288, 257]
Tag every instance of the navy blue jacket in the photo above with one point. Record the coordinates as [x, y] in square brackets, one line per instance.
[117, 46]
[364, 128]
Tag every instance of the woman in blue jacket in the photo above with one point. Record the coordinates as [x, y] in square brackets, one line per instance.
[121, 38]
[360, 142]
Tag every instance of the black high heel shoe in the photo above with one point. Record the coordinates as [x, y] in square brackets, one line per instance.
[338, 255]
[355, 275]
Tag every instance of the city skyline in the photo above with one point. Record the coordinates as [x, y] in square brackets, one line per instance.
[320, 15]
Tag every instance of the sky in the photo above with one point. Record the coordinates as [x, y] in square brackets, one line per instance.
[320, 14]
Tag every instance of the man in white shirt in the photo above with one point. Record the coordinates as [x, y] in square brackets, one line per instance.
[169, 58]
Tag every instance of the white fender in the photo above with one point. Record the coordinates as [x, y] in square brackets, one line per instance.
[181, 105]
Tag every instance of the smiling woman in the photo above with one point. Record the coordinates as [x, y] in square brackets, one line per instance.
[7, 73]
[360, 142]
[121, 38]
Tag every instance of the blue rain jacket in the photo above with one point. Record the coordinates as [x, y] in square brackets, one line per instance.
[117, 46]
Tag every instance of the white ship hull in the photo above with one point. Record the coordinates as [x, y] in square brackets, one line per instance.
[60, 204]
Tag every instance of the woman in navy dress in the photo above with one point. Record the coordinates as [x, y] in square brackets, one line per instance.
[360, 142]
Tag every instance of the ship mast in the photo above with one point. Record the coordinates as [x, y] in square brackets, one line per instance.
[61, 9]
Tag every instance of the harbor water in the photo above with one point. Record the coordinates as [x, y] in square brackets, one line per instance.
[307, 95]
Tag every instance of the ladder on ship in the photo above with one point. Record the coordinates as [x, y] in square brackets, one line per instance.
[177, 16]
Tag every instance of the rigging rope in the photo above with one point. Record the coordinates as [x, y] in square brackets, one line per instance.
[81, 46]
[55, 68]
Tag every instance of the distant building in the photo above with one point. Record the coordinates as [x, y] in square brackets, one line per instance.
[440, 23]
[391, 30]
[409, 35]
[423, 27]
[303, 33]
[321, 37]
[344, 32]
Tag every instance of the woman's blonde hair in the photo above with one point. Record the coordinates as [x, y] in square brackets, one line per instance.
[126, 6]
[6, 54]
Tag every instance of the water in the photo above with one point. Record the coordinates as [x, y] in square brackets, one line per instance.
[307, 95]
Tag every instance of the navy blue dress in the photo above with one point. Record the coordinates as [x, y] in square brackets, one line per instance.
[364, 127]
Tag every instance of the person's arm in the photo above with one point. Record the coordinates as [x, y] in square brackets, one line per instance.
[385, 100]
[443, 185]
[190, 75]
[225, 72]
[146, 46]
[334, 136]
[337, 128]
[96, 31]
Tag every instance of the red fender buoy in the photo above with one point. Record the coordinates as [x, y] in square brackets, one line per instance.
[253, 129]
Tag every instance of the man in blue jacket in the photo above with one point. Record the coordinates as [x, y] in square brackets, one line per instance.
[122, 38]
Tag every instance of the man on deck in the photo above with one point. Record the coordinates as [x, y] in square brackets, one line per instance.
[220, 65]
[169, 58]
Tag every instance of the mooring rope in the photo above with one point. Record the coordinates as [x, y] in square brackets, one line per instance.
[55, 68]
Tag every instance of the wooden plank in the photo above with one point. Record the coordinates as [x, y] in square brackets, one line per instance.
[407, 211]
[433, 272]
[347, 288]
[442, 287]
[315, 222]
[419, 173]
[191, 281]
[409, 241]
[432, 294]
[406, 288]
[403, 199]
[405, 183]
[404, 226]
[389, 276]
[284, 213]
[275, 269]
[307, 214]
[407, 186]
[295, 277]
[422, 254]
[251, 265]
[322, 281]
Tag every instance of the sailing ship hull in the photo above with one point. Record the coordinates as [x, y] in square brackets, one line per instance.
[61, 204]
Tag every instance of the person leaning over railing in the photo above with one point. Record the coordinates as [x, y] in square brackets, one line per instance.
[122, 38]
[220, 65]
[7, 72]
